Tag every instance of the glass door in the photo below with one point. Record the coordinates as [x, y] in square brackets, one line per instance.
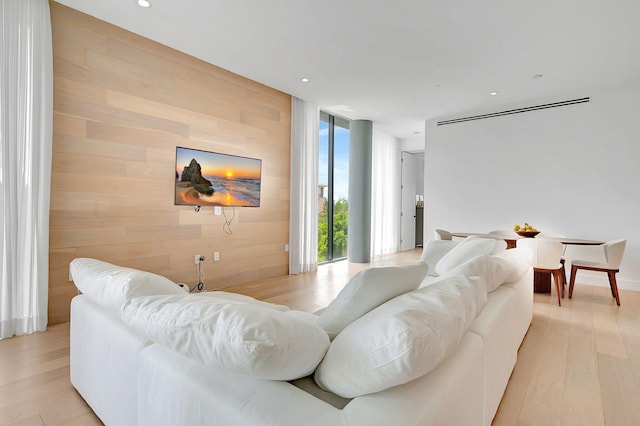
[333, 188]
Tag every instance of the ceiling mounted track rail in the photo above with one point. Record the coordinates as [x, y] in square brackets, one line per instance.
[515, 111]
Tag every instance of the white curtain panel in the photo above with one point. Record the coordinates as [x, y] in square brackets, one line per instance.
[303, 223]
[385, 190]
[26, 115]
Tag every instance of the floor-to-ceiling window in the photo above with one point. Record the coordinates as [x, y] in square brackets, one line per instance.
[333, 188]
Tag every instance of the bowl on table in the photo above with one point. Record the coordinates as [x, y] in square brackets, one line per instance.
[527, 234]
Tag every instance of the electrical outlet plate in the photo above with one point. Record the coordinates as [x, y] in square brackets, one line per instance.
[216, 256]
[217, 210]
[198, 258]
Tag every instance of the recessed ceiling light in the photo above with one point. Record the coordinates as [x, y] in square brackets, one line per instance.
[304, 80]
[144, 3]
[493, 93]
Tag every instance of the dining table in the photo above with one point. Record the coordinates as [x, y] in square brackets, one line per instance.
[541, 280]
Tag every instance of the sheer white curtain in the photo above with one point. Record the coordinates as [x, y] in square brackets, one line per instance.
[303, 225]
[26, 115]
[385, 194]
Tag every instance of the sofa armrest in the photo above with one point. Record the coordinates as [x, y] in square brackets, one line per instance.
[103, 360]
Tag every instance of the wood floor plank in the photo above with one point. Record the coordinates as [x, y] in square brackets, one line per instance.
[608, 338]
[620, 394]
[87, 419]
[580, 316]
[66, 408]
[511, 404]
[581, 408]
[23, 371]
[28, 384]
[627, 322]
[581, 402]
[35, 420]
[582, 363]
[543, 401]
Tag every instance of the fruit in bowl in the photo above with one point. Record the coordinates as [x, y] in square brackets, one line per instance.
[526, 230]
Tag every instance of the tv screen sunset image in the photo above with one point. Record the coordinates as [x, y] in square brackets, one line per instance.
[206, 178]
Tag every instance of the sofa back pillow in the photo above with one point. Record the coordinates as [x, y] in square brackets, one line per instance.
[520, 258]
[244, 338]
[493, 269]
[465, 250]
[433, 252]
[402, 339]
[367, 290]
[500, 243]
[243, 298]
[110, 285]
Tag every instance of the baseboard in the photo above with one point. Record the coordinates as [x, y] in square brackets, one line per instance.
[601, 280]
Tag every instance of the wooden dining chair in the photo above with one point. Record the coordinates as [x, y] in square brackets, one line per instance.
[546, 260]
[613, 253]
[441, 234]
[563, 258]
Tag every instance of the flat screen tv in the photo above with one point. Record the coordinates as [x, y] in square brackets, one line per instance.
[205, 178]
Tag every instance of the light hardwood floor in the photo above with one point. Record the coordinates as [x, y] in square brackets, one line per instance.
[578, 365]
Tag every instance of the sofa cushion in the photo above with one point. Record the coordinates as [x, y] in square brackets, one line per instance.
[367, 290]
[433, 252]
[245, 338]
[465, 250]
[110, 285]
[402, 339]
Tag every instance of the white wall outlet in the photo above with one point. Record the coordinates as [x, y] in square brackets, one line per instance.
[198, 258]
[217, 210]
[216, 256]
[286, 248]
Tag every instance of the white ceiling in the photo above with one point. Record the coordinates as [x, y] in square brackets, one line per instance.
[400, 62]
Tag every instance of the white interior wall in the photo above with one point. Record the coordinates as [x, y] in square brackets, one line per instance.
[420, 173]
[570, 170]
[412, 144]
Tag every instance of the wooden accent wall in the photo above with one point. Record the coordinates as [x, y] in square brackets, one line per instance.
[122, 103]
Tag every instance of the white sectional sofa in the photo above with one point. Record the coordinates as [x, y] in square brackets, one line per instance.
[451, 366]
